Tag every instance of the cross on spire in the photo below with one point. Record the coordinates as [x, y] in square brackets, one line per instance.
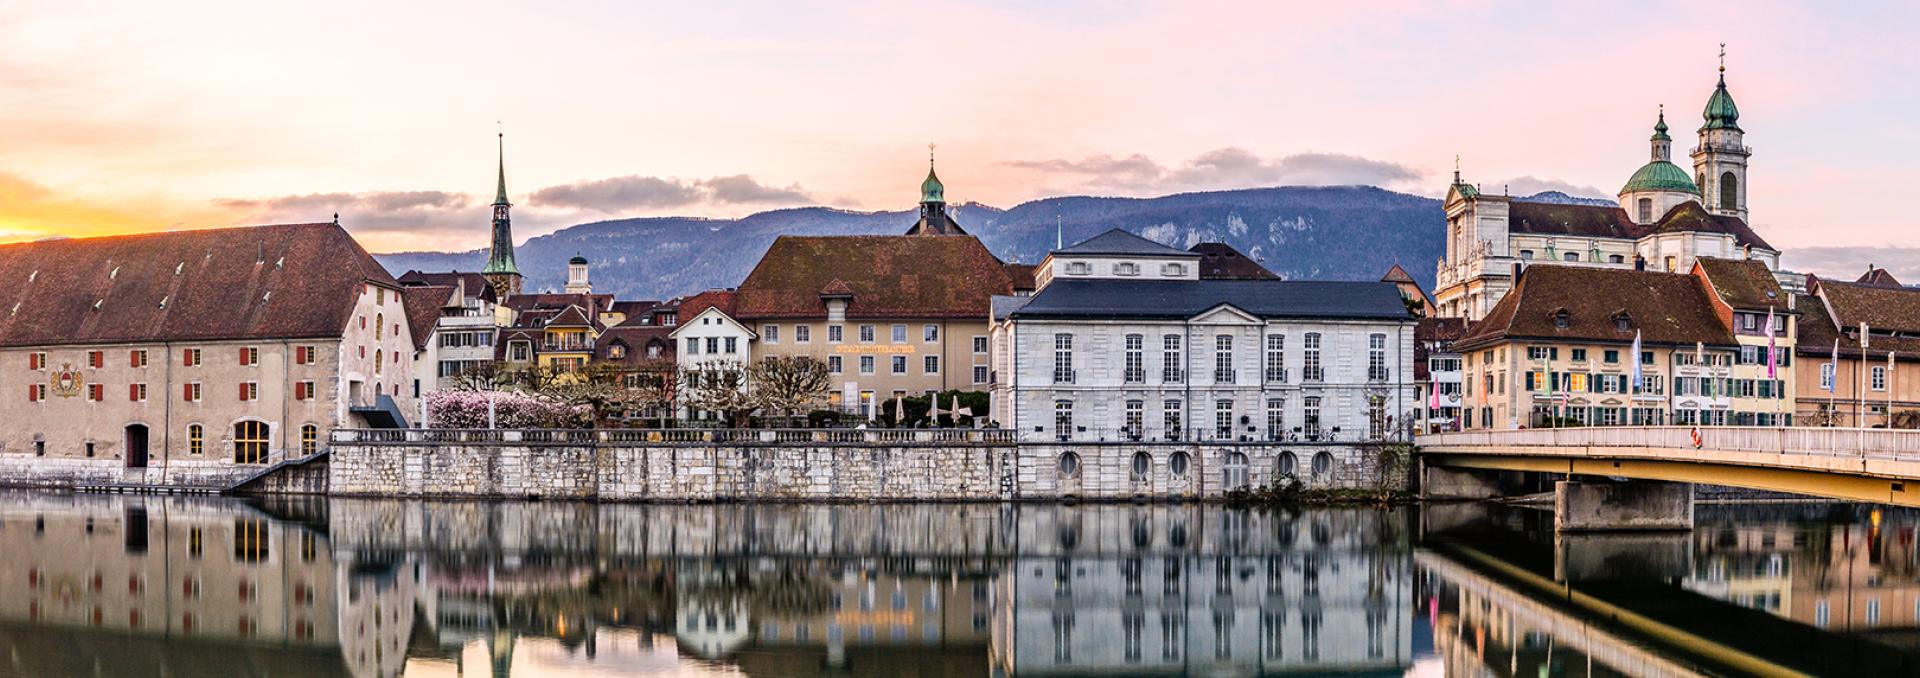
[929, 155]
[1723, 57]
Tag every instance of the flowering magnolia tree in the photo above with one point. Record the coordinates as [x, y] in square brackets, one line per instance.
[468, 409]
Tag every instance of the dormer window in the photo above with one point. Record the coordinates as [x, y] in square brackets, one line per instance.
[1622, 321]
[1126, 268]
[1077, 268]
[1173, 270]
[1560, 319]
[617, 351]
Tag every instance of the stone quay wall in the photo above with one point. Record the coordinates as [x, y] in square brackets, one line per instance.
[821, 466]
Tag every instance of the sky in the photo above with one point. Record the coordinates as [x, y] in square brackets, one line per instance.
[123, 117]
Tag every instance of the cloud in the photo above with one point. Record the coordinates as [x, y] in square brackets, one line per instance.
[1222, 168]
[1529, 185]
[1849, 263]
[620, 194]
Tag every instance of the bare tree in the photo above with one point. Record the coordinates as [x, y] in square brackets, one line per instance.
[720, 386]
[789, 385]
[599, 387]
[655, 386]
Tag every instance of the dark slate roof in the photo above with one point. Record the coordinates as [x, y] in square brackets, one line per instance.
[1220, 261]
[1744, 284]
[476, 284]
[1180, 299]
[423, 310]
[633, 308]
[1691, 216]
[935, 221]
[1667, 308]
[296, 281]
[890, 276]
[1609, 221]
[636, 338]
[1116, 241]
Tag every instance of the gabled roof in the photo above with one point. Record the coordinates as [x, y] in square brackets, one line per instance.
[423, 310]
[1819, 333]
[1609, 221]
[1744, 284]
[1118, 242]
[1022, 275]
[1895, 309]
[1692, 216]
[1220, 261]
[725, 300]
[476, 284]
[260, 282]
[636, 338]
[1878, 277]
[570, 316]
[890, 276]
[1667, 308]
[1182, 299]
[1397, 275]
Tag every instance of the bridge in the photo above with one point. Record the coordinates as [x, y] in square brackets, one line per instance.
[1856, 464]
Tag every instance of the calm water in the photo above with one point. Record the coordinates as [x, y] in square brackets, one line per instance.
[94, 585]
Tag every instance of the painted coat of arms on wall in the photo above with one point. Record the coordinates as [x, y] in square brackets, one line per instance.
[66, 381]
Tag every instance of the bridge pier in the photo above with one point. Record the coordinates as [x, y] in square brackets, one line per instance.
[1439, 482]
[1622, 556]
[1582, 505]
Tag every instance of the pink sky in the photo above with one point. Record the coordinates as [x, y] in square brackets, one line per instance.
[129, 117]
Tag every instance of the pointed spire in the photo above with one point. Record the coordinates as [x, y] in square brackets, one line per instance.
[1456, 169]
[500, 195]
[931, 190]
[1720, 112]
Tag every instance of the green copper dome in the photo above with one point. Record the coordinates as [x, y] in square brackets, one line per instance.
[1660, 128]
[932, 190]
[1720, 112]
[1660, 175]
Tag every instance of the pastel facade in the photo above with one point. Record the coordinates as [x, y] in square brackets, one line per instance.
[1862, 387]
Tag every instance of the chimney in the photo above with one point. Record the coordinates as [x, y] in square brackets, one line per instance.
[1639, 263]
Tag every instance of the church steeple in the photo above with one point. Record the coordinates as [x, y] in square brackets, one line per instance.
[501, 270]
[1662, 144]
[933, 206]
[1720, 159]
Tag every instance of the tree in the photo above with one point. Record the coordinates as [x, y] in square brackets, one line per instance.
[789, 385]
[655, 385]
[599, 388]
[720, 386]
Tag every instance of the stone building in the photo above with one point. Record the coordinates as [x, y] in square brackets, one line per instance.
[456, 314]
[1124, 341]
[1862, 387]
[1436, 373]
[1665, 220]
[194, 357]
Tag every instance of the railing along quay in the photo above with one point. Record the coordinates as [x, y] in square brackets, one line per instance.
[1892, 444]
[788, 436]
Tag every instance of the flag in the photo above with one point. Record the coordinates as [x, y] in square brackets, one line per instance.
[1864, 338]
[1833, 367]
[1435, 405]
[1771, 372]
[1636, 363]
[1700, 353]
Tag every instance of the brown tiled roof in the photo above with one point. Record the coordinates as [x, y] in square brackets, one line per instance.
[1397, 275]
[631, 309]
[1428, 331]
[1744, 284]
[1878, 277]
[837, 288]
[1608, 221]
[890, 277]
[592, 303]
[1022, 275]
[570, 316]
[1818, 332]
[636, 338]
[423, 310]
[1894, 309]
[476, 284]
[725, 300]
[1220, 261]
[1667, 308]
[1691, 216]
[259, 282]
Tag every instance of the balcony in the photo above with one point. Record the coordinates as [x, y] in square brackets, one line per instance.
[580, 345]
[1223, 375]
[1063, 375]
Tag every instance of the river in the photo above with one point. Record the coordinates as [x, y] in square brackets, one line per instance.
[123, 585]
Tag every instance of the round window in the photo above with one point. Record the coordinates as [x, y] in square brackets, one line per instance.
[1288, 465]
[1142, 465]
[1322, 463]
[1069, 465]
[1178, 464]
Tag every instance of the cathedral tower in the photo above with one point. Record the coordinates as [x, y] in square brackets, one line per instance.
[1720, 162]
[501, 271]
[933, 206]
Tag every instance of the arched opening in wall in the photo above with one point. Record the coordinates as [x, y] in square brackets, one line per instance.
[1178, 464]
[1322, 464]
[1235, 472]
[136, 446]
[1729, 191]
[250, 442]
[1069, 466]
[1287, 466]
[1142, 465]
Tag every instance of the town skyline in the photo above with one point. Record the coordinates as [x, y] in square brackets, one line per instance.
[1062, 107]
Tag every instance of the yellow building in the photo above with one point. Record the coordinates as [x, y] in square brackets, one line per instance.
[1862, 388]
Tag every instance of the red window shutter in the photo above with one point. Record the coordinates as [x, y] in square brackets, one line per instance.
[300, 355]
[96, 358]
[186, 391]
[133, 358]
[243, 355]
[33, 393]
[133, 392]
[299, 390]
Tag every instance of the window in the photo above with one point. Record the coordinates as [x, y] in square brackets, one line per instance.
[1322, 463]
[1178, 463]
[1646, 210]
[250, 442]
[693, 346]
[1069, 466]
[980, 345]
[1170, 419]
[1276, 418]
[1376, 357]
[835, 334]
[379, 326]
[1310, 416]
[1376, 417]
[1729, 191]
[1826, 376]
[1170, 360]
[1134, 417]
[96, 392]
[733, 345]
[196, 440]
[1561, 319]
[309, 440]
[1223, 358]
[1063, 419]
[96, 359]
[1277, 358]
[1310, 358]
[930, 364]
[137, 392]
[1135, 372]
[1223, 419]
[190, 392]
[980, 374]
[188, 357]
[1878, 379]
[770, 334]
[1063, 358]
[834, 364]
[1172, 270]
[802, 334]
[249, 391]
[1672, 263]
[1142, 465]
[930, 333]
[1526, 255]
[713, 345]
[249, 356]
[866, 334]
[1610, 357]
[866, 364]
[1077, 268]
[899, 364]
[899, 334]
[1126, 268]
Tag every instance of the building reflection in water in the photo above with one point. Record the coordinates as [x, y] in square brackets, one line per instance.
[176, 586]
[1839, 567]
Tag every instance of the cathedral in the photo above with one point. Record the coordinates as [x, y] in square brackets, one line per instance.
[1664, 220]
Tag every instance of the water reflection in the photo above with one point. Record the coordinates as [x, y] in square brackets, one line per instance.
[100, 585]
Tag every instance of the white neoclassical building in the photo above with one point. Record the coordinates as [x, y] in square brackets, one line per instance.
[1123, 341]
[1665, 219]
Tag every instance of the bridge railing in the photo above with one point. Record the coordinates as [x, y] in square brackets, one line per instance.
[1787, 440]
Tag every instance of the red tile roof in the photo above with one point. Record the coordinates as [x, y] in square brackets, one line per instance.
[1220, 261]
[475, 283]
[1397, 275]
[636, 338]
[725, 300]
[1819, 332]
[423, 310]
[890, 277]
[259, 282]
[1878, 277]
[1022, 275]
[1744, 284]
[1608, 221]
[1667, 308]
[1894, 309]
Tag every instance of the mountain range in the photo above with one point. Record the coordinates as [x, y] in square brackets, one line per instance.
[1333, 233]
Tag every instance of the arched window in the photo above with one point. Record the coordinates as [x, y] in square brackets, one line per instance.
[1142, 465]
[1322, 464]
[1646, 210]
[196, 439]
[1729, 191]
[377, 364]
[1069, 466]
[379, 326]
[250, 442]
[1235, 473]
[309, 440]
[1178, 464]
[1288, 465]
